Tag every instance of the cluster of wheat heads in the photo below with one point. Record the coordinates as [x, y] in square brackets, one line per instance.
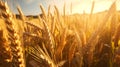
[57, 40]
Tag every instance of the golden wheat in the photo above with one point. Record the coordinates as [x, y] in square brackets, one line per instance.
[5, 52]
[21, 13]
[59, 40]
[16, 45]
[43, 12]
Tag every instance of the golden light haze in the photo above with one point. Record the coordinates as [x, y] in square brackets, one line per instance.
[99, 5]
[80, 6]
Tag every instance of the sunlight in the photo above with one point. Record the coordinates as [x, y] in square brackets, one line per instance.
[80, 6]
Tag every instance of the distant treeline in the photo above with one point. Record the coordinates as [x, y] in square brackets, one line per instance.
[28, 16]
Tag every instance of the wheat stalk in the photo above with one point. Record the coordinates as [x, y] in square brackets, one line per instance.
[71, 52]
[116, 36]
[53, 24]
[61, 45]
[58, 17]
[43, 12]
[50, 40]
[92, 8]
[64, 9]
[21, 13]
[34, 25]
[16, 45]
[57, 12]
[5, 51]
[71, 6]
[49, 10]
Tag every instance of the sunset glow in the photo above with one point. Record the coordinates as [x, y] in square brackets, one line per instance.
[78, 6]
[99, 5]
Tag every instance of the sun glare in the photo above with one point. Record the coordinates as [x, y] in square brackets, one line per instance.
[86, 6]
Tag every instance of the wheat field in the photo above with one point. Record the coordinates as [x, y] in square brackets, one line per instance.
[59, 40]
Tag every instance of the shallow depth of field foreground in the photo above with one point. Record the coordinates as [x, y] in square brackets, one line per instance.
[52, 39]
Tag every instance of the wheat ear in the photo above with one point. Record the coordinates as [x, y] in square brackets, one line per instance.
[5, 51]
[16, 45]
[21, 13]
[43, 12]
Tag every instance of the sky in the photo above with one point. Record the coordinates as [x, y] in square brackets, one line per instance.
[31, 7]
